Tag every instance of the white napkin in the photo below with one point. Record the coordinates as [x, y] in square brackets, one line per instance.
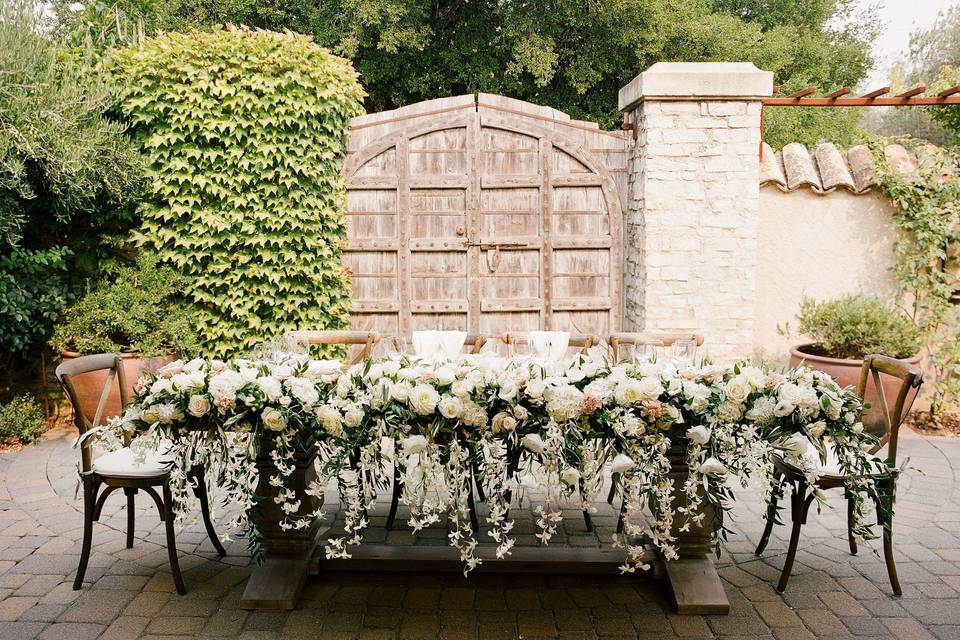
[550, 345]
[427, 344]
[452, 343]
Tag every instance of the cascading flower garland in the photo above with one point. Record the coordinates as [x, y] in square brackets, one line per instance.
[500, 425]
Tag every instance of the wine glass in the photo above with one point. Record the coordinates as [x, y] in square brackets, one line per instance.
[685, 350]
[390, 348]
[650, 350]
[521, 347]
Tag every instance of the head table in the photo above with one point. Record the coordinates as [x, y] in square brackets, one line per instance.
[677, 438]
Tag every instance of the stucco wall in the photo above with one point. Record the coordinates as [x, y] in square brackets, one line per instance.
[823, 246]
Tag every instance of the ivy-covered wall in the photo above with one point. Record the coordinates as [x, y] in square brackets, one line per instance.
[245, 132]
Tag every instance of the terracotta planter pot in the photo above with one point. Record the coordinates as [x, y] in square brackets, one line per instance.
[847, 373]
[89, 386]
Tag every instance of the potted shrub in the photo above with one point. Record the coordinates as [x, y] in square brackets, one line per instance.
[845, 330]
[139, 315]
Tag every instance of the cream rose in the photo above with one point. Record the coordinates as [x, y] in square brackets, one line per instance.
[413, 445]
[329, 419]
[504, 422]
[699, 434]
[570, 476]
[198, 406]
[450, 407]
[353, 416]
[713, 467]
[273, 419]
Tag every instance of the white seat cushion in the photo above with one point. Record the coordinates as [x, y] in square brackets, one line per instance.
[127, 463]
[832, 467]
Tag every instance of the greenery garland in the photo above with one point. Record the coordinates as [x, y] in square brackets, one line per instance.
[927, 203]
[245, 132]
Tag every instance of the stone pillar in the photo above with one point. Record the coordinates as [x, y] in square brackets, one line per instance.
[691, 230]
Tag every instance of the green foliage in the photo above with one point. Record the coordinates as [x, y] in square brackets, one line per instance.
[948, 117]
[141, 311]
[852, 327]
[245, 132]
[69, 179]
[566, 54]
[21, 419]
[927, 216]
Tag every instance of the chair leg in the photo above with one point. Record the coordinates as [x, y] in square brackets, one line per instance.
[884, 515]
[613, 488]
[89, 500]
[200, 490]
[850, 537]
[775, 494]
[395, 497]
[130, 492]
[168, 518]
[798, 504]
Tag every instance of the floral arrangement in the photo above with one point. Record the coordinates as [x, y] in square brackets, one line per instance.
[505, 425]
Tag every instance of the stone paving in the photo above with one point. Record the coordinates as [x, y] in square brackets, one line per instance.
[129, 592]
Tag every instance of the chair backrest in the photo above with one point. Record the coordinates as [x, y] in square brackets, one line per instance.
[113, 366]
[347, 338]
[580, 341]
[900, 378]
[666, 339]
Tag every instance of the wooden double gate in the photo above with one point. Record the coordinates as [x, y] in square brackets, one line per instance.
[485, 214]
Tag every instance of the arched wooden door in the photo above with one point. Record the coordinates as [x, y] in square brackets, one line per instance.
[482, 218]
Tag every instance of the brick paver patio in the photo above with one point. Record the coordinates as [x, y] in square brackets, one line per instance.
[129, 592]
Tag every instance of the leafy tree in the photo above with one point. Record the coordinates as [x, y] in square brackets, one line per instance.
[68, 177]
[567, 54]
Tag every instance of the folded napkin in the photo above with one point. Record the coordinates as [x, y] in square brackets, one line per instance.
[550, 345]
[432, 345]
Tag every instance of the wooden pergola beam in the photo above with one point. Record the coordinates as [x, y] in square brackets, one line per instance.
[949, 92]
[839, 92]
[803, 92]
[912, 92]
[876, 94]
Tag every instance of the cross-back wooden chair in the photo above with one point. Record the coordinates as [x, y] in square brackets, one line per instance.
[619, 340]
[121, 470]
[346, 338]
[907, 379]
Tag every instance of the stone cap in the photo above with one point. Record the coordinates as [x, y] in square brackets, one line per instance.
[696, 81]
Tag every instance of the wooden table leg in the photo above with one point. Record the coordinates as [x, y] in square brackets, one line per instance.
[695, 586]
[275, 585]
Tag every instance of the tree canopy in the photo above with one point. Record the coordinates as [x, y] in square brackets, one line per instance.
[566, 54]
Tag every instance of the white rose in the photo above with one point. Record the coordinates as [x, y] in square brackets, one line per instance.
[674, 386]
[450, 407]
[783, 408]
[390, 367]
[414, 444]
[171, 368]
[533, 442]
[353, 416]
[699, 434]
[520, 413]
[622, 463]
[161, 385]
[508, 391]
[374, 373]
[796, 445]
[281, 371]
[198, 406]
[712, 467]
[273, 419]
[249, 374]
[423, 399]
[503, 422]
[401, 391]
[445, 376]
[570, 476]
[857, 428]
[270, 386]
[575, 374]
[303, 390]
[462, 388]
[535, 389]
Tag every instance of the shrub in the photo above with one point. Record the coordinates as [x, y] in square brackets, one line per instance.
[21, 419]
[854, 326]
[245, 131]
[69, 178]
[141, 311]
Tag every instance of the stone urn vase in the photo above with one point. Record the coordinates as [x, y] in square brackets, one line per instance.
[847, 374]
[90, 385]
